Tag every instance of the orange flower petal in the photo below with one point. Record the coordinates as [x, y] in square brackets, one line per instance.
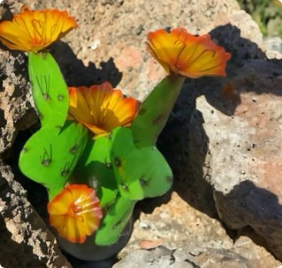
[96, 130]
[191, 56]
[101, 108]
[34, 30]
[75, 212]
[79, 107]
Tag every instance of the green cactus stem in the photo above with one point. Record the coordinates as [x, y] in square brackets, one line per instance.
[117, 217]
[154, 111]
[49, 90]
[49, 158]
[140, 172]
[95, 169]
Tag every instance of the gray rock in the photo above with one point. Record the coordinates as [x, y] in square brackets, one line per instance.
[244, 157]
[25, 239]
[274, 47]
[183, 258]
[16, 111]
[159, 257]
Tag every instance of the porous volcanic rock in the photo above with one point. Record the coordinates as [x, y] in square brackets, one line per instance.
[244, 163]
[25, 240]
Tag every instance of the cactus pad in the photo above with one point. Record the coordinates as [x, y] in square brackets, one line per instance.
[49, 90]
[49, 158]
[95, 169]
[140, 172]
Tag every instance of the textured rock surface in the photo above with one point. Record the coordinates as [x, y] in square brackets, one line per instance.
[14, 98]
[274, 47]
[25, 240]
[244, 160]
[110, 45]
[188, 258]
[198, 239]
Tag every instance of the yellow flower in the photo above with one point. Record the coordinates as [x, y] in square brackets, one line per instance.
[190, 56]
[101, 108]
[75, 212]
[33, 30]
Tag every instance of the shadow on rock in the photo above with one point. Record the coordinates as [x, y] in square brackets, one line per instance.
[184, 141]
[77, 74]
[186, 154]
[246, 71]
[248, 205]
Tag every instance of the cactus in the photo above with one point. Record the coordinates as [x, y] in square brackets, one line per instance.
[49, 158]
[49, 90]
[140, 172]
[154, 111]
[115, 221]
[123, 167]
[95, 169]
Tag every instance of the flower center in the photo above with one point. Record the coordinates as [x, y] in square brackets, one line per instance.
[74, 210]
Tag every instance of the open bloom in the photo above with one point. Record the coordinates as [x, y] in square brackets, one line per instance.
[33, 30]
[101, 108]
[188, 55]
[75, 212]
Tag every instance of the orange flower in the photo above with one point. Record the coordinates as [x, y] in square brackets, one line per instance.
[101, 108]
[33, 30]
[191, 56]
[75, 212]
